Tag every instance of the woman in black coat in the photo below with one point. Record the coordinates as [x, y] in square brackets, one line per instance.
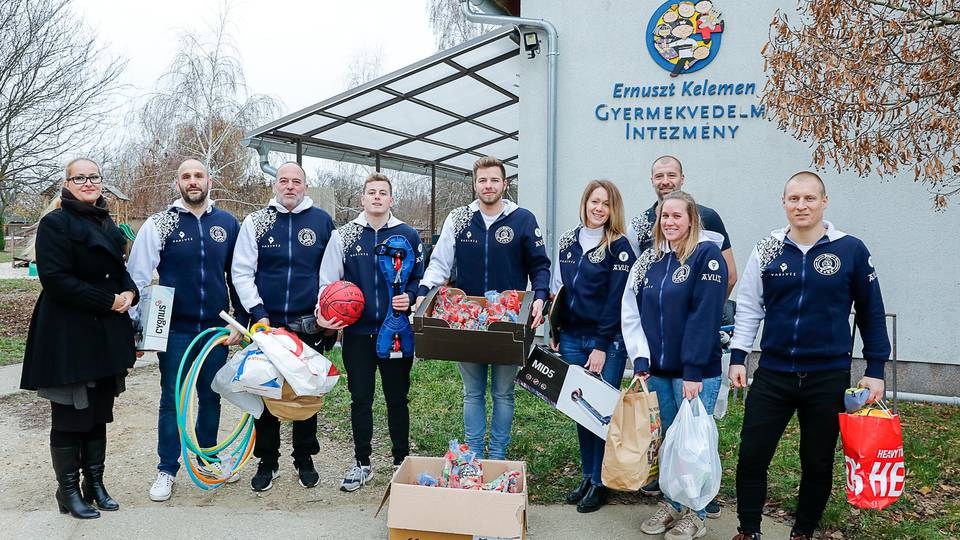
[80, 342]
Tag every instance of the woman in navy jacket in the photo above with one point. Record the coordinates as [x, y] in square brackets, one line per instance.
[671, 315]
[592, 263]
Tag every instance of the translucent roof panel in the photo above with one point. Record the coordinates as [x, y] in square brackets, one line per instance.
[457, 104]
[464, 96]
[408, 117]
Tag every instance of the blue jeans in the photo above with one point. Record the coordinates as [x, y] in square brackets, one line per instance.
[670, 397]
[208, 412]
[576, 350]
[475, 406]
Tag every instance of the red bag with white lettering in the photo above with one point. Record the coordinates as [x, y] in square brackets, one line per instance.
[873, 452]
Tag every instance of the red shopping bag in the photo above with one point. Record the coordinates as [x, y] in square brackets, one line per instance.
[873, 452]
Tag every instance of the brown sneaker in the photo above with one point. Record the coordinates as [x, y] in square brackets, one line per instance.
[689, 527]
[663, 519]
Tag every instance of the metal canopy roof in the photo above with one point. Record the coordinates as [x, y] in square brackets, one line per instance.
[444, 111]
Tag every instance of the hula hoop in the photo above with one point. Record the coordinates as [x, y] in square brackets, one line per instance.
[185, 393]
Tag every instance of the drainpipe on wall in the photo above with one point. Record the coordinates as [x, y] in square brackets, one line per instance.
[552, 54]
[263, 150]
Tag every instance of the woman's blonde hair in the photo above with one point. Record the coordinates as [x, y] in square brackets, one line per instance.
[689, 244]
[615, 226]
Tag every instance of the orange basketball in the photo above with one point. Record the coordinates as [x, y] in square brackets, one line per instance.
[343, 301]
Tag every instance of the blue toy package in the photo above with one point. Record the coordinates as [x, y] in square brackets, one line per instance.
[855, 398]
[426, 480]
[395, 258]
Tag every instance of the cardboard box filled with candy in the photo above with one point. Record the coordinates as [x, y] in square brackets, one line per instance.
[489, 329]
[457, 497]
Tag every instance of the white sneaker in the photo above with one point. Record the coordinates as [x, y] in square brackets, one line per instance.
[214, 471]
[356, 477]
[162, 487]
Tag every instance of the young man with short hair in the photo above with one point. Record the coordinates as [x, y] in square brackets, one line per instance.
[351, 256]
[190, 245]
[801, 282]
[276, 266]
[495, 245]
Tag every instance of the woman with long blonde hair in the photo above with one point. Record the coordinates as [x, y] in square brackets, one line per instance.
[671, 314]
[591, 265]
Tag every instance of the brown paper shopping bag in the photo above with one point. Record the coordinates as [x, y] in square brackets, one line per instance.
[633, 441]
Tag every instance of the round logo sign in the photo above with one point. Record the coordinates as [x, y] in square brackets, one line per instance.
[680, 274]
[218, 234]
[307, 237]
[713, 265]
[827, 264]
[504, 235]
[537, 232]
[623, 256]
[684, 36]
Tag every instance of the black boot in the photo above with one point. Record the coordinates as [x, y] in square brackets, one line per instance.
[595, 498]
[578, 492]
[66, 463]
[92, 454]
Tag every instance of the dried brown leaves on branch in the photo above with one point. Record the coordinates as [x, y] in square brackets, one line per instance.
[873, 85]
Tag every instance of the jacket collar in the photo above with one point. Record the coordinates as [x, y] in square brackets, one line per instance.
[508, 206]
[305, 204]
[705, 236]
[832, 233]
[392, 221]
[182, 206]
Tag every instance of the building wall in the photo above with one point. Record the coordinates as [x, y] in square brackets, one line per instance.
[602, 42]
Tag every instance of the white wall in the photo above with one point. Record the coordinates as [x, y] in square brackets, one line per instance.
[916, 251]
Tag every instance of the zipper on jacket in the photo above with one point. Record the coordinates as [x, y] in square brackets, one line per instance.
[286, 301]
[576, 276]
[486, 233]
[376, 275]
[663, 340]
[796, 323]
[202, 271]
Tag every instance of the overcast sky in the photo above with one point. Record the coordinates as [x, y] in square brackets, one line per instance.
[296, 51]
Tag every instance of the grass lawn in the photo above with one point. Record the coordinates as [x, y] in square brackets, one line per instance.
[546, 440]
[11, 350]
[6, 256]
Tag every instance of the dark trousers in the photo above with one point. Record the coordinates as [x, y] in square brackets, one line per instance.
[774, 396]
[361, 362]
[305, 443]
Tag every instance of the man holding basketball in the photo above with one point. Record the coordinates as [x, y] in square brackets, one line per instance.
[495, 245]
[275, 268]
[350, 255]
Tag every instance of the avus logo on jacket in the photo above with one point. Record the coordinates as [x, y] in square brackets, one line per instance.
[504, 234]
[827, 264]
[680, 274]
[218, 233]
[307, 237]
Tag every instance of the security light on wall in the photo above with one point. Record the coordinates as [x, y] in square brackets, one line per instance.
[531, 43]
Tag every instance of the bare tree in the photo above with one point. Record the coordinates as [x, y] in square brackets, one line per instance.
[365, 66]
[449, 26]
[873, 85]
[56, 87]
[201, 109]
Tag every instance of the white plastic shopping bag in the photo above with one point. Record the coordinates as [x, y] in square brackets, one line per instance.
[257, 374]
[307, 372]
[225, 384]
[689, 459]
[723, 398]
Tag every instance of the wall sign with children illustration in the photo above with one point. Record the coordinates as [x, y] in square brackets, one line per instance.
[684, 37]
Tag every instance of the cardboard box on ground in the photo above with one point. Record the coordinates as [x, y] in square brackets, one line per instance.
[502, 343]
[434, 513]
[574, 391]
[152, 327]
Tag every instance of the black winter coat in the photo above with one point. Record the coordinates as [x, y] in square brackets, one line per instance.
[74, 336]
